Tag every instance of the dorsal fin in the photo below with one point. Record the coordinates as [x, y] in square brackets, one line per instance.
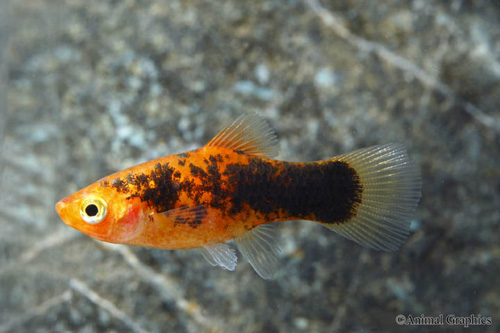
[249, 133]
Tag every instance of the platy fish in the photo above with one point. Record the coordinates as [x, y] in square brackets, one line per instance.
[232, 189]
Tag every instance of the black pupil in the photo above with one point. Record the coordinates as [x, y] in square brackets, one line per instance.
[91, 210]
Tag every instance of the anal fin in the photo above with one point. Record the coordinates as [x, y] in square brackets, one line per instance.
[260, 248]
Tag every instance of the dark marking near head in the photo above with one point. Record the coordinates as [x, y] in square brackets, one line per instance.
[142, 179]
[329, 191]
[181, 162]
[165, 191]
[157, 188]
[130, 178]
[120, 185]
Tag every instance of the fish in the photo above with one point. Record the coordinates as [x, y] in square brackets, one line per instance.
[233, 189]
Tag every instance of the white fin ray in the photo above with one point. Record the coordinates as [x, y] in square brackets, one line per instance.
[260, 248]
[220, 254]
[249, 133]
[391, 191]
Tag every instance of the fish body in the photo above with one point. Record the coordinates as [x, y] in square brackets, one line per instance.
[232, 188]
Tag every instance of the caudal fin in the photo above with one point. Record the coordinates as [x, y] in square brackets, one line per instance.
[391, 191]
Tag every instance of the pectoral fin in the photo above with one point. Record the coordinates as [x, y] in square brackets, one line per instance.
[190, 215]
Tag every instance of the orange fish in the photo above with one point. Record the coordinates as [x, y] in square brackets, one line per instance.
[231, 189]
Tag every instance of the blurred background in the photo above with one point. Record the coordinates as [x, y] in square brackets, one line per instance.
[91, 87]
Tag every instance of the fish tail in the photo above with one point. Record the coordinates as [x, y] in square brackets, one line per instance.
[389, 188]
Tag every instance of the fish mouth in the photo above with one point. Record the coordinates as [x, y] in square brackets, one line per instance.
[60, 208]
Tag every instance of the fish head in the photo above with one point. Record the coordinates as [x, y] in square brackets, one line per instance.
[101, 213]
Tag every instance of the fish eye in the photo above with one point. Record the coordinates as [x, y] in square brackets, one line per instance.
[93, 210]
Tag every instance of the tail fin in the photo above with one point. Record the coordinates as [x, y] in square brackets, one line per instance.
[391, 191]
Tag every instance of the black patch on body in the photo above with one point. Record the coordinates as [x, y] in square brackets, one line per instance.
[330, 191]
[157, 187]
[197, 172]
[210, 182]
[219, 195]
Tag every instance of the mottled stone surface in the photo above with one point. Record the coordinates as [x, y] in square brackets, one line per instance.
[96, 86]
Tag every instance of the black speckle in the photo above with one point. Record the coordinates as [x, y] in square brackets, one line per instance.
[142, 179]
[130, 178]
[177, 174]
[181, 162]
[184, 155]
[120, 185]
[197, 171]
[241, 152]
